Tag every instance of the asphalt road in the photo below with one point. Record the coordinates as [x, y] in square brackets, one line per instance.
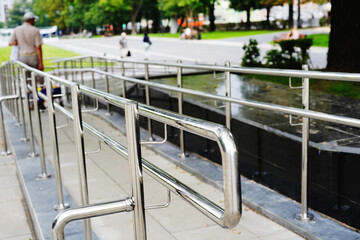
[202, 51]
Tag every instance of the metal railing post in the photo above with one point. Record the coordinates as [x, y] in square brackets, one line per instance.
[6, 151]
[80, 152]
[44, 174]
[304, 215]
[15, 101]
[122, 68]
[92, 72]
[21, 105]
[123, 81]
[108, 106]
[53, 133]
[180, 110]
[66, 77]
[28, 116]
[135, 162]
[228, 94]
[147, 99]
[9, 104]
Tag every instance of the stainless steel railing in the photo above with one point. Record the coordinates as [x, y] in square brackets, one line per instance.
[227, 217]
[306, 113]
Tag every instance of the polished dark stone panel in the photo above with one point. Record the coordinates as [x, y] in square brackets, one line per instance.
[270, 149]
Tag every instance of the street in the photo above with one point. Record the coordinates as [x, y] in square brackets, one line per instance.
[172, 49]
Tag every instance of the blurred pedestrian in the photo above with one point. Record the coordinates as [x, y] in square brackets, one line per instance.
[29, 40]
[124, 51]
[147, 43]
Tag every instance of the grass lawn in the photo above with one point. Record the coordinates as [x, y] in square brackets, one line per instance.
[217, 34]
[320, 40]
[346, 89]
[49, 52]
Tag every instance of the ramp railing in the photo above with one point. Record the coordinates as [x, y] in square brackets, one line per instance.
[227, 70]
[226, 217]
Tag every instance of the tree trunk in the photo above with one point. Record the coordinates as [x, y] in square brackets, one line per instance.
[212, 26]
[268, 17]
[135, 8]
[344, 47]
[248, 23]
[299, 14]
[291, 14]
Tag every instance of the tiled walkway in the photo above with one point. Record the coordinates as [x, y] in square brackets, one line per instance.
[14, 219]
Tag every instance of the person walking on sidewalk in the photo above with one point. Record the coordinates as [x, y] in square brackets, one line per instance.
[147, 43]
[124, 51]
[29, 40]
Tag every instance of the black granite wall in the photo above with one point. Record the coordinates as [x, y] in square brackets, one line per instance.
[274, 160]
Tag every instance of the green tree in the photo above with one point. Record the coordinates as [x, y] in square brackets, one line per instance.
[17, 12]
[150, 11]
[107, 12]
[53, 9]
[183, 8]
[245, 5]
[210, 7]
[268, 4]
[135, 9]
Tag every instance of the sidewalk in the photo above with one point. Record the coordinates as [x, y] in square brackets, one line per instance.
[15, 223]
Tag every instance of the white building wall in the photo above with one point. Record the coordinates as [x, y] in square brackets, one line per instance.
[5, 5]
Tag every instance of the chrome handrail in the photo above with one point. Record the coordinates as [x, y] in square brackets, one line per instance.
[249, 103]
[227, 69]
[227, 217]
[336, 76]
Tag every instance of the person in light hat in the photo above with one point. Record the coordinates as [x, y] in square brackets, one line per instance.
[29, 40]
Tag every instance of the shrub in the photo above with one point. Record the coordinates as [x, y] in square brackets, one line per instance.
[323, 21]
[251, 56]
[293, 54]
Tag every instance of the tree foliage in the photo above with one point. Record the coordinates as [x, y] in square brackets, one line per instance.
[245, 5]
[183, 8]
[17, 12]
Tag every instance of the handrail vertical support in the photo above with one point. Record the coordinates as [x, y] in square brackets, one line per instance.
[80, 152]
[180, 110]
[147, 100]
[44, 174]
[228, 94]
[6, 151]
[304, 216]
[135, 162]
[123, 81]
[21, 105]
[15, 101]
[108, 106]
[28, 116]
[57, 170]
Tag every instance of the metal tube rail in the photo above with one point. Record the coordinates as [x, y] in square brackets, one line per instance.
[249, 103]
[135, 169]
[21, 105]
[226, 218]
[43, 174]
[354, 77]
[2, 124]
[96, 210]
[28, 115]
[180, 111]
[80, 155]
[61, 205]
[305, 215]
[212, 131]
